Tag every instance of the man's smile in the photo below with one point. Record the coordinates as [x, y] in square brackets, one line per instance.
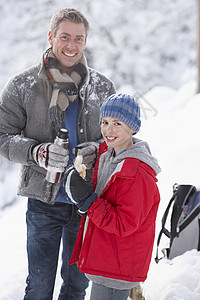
[69, 54]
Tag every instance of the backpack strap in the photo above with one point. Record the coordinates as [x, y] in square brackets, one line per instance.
[184, 194]
[164, 218]
[181, 194]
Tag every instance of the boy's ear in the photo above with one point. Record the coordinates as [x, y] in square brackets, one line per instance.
[133, 132]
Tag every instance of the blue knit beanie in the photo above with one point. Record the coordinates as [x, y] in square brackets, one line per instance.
[122, 107]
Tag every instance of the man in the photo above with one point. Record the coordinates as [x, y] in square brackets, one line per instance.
[61, 91]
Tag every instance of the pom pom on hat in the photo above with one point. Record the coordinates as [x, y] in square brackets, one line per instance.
[123, 107]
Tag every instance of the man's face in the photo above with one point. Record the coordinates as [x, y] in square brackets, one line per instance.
[68, 43]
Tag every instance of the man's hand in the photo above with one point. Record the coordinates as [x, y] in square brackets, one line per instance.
[89, 153]
[51, 155]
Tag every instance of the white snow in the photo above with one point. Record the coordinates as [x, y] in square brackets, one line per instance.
[165, 61]
[173, 137]
[142, 42]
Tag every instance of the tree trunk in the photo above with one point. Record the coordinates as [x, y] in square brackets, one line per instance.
[198, 55]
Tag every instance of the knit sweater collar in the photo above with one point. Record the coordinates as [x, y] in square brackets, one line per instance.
[140, 150]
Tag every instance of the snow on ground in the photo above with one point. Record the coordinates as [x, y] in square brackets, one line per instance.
[173, 135]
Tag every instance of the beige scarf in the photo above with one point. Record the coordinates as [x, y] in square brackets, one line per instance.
[65, 84]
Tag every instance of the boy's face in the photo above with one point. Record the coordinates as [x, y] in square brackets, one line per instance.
[116, 134]
[68, 43]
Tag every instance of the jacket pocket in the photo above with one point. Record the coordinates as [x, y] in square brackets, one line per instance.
[25, 172]
[33, 185]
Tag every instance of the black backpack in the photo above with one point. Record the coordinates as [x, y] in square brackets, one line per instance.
[184, 234]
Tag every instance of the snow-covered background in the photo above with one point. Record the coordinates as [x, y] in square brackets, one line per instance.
[142, 45]
[138, 42]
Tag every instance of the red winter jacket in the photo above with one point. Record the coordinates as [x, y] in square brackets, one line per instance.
[119, 239]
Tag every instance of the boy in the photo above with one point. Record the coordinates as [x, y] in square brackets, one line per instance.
[115, 241]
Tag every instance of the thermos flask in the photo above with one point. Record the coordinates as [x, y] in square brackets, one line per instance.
[60, 140]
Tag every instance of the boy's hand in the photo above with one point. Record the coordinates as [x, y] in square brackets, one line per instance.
[79, 190]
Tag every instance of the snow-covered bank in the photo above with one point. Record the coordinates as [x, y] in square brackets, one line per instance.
[173, 135]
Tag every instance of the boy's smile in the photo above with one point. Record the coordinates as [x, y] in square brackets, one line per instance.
[116, 134]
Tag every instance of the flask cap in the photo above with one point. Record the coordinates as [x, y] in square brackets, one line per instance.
[63, 134]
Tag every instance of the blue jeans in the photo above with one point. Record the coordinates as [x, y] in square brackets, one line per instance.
[99, 292]
[46, 226]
